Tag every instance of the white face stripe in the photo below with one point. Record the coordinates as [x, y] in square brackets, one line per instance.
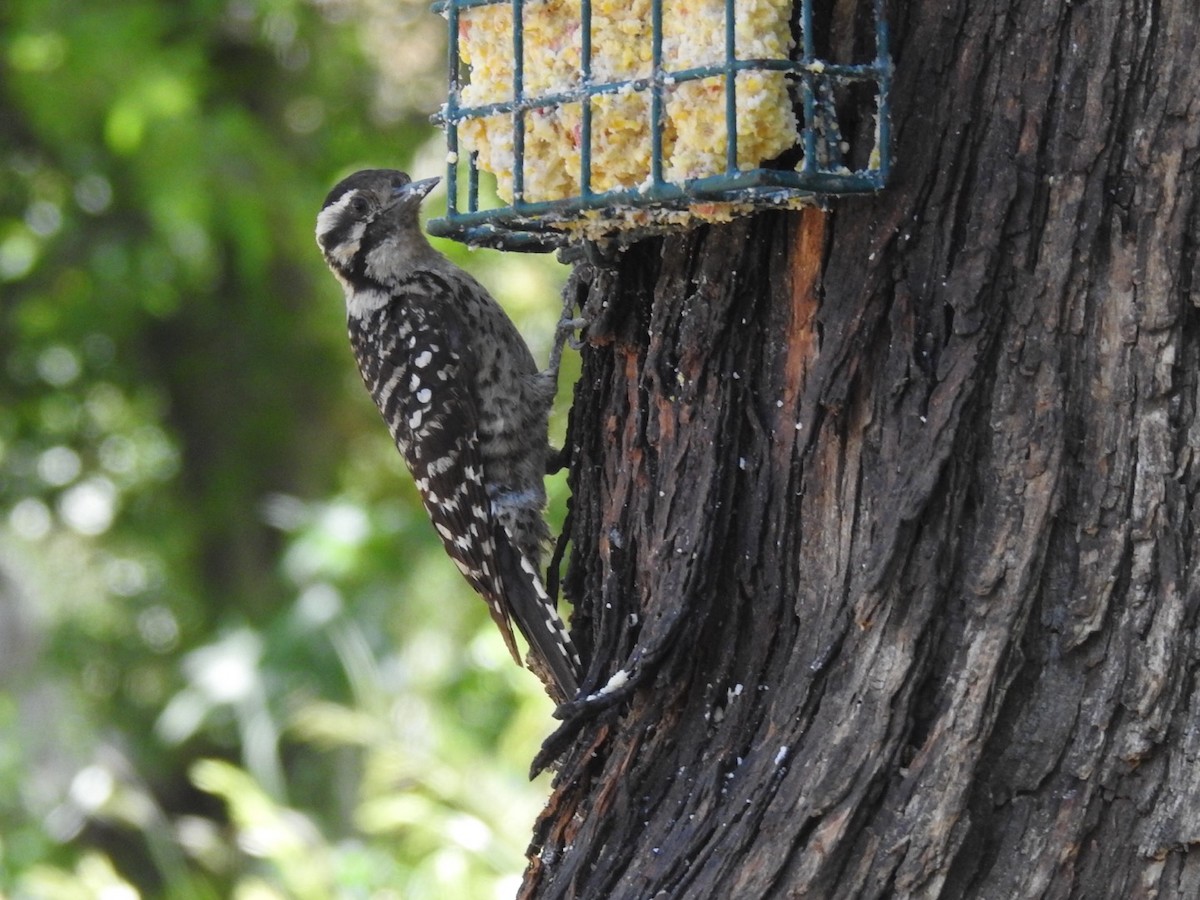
[345, 252]
[328, 217]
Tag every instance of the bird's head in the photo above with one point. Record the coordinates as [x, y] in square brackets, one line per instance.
[368, 227]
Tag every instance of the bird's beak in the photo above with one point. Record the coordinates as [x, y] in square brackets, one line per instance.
[416, 189]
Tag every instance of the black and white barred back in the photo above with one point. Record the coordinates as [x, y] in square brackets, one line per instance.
[462, 397]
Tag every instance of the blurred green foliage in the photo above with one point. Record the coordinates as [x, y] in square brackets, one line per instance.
[233, 661]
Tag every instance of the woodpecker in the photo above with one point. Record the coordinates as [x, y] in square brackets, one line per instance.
[463, 399]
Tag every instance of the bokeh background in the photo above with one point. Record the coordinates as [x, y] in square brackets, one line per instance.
[233, 660]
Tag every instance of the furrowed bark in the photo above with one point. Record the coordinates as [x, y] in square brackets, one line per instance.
[896, 506]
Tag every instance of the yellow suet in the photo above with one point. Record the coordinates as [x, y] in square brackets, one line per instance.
[694, 139]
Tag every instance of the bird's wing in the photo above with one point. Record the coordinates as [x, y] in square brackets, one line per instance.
[434, 406]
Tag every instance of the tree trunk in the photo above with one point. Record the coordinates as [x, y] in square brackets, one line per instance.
[890, 512]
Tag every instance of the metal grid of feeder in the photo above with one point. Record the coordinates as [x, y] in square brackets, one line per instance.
[826, 166]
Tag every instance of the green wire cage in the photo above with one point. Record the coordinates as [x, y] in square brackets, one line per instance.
[839, 142]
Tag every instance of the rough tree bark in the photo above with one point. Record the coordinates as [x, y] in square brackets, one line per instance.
[892, 510]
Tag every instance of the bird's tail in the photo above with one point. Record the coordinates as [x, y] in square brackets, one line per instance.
[554, 657]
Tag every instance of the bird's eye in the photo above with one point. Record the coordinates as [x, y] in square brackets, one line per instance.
[360, 205]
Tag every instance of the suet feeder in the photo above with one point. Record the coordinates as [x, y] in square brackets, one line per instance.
[615, 118]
